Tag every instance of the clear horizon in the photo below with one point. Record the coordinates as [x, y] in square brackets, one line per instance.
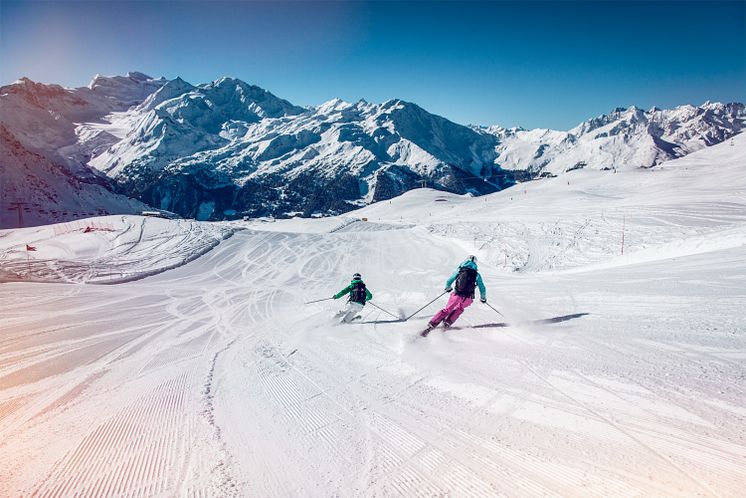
[529, 64]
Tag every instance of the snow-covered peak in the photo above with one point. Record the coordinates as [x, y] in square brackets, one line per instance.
[138, 76]
[363, 105]
[223, 81]
[630, 114]
[23, 81]
[170, 90]
[27, 85]
[394, 104]
[235, 94]
[39, 95]
[499, 131]
[101, 81]
[51, 192]
[333, 105]
[123, 91]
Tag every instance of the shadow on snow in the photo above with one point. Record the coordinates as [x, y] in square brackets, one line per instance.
[556, 319]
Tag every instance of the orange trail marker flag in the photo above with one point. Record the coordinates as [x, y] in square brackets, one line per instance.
[30, 248]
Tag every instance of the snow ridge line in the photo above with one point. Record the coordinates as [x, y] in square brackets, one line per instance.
[166, 268]
[347, 222]
[228, 483]
[99, 272]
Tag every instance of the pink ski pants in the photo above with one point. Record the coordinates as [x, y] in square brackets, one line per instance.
[454, 308]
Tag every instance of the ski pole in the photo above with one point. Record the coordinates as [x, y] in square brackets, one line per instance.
[428, 304]
[494, 309]
[398, 318]
[319, 300]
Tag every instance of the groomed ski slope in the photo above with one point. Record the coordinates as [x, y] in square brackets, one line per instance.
[214, 379]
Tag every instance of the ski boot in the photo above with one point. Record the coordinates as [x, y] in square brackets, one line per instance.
[427, 330]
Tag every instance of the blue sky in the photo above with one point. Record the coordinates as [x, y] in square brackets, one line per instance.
[532, 64]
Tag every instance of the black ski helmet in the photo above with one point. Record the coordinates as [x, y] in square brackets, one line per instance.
[357, 276]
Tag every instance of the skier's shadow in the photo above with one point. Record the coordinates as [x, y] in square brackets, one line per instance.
[556, 319]
[400, 320]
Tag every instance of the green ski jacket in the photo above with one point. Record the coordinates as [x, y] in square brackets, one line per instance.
[346, 290]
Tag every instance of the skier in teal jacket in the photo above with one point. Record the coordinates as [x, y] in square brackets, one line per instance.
[467, 279]
[359, 294]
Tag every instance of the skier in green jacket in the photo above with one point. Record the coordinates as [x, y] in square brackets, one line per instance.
[359, 294]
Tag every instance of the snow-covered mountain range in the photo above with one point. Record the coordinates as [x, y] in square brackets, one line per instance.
[227, 145]
[623, 138]
[227, 148]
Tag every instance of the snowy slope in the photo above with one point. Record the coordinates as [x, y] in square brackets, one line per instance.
[105, 249]
[214, 379]
[523, 229]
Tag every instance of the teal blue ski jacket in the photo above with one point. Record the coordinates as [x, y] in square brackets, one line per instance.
[473, 266]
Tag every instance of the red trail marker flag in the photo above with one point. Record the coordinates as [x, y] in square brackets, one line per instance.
[28, 256]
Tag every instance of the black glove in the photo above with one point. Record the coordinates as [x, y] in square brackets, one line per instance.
[449, 289]
[483, 299]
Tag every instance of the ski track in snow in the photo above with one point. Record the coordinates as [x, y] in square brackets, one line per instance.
[213, 379]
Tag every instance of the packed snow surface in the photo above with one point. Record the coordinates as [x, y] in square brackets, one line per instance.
[105, 249]
[605, 374]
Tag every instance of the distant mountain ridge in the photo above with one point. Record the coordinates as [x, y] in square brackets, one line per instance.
[626, 137]
[228, 148]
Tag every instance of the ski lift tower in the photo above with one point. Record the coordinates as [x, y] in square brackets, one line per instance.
[18, 206]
